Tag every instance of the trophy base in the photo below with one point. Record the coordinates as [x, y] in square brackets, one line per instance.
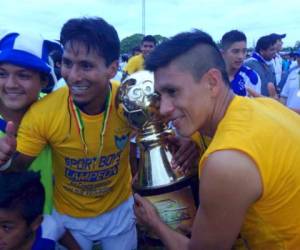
[175, 204]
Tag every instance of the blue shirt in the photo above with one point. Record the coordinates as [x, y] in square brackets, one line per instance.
[245, 77]
[41, 243]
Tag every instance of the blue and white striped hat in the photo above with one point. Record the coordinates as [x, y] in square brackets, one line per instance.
[27, 50]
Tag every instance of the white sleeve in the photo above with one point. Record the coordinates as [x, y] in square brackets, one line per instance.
[286, 87]
[257, 87]
[52, 229]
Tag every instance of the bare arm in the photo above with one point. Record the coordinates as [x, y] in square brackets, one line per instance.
[229, 184]
[20, 162]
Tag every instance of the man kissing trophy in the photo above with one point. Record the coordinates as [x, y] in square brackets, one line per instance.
[168, 189]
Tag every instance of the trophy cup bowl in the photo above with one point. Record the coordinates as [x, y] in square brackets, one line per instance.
[141, 108]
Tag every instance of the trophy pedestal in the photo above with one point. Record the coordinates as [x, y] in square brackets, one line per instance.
[176, 205]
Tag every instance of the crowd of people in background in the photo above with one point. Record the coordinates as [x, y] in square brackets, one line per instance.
[59, 117]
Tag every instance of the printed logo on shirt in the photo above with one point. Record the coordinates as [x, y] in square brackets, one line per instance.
[91, 176]
[121, 141]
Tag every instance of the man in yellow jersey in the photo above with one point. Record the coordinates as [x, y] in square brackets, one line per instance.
[250, 175]
[136, 63]
[88, 137]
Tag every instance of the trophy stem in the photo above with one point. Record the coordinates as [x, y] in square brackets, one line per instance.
[155, 172]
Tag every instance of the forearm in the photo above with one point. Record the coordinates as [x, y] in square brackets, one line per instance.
[20, 162]
[170, 238]
[69, 242]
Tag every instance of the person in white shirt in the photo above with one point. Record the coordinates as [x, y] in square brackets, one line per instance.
[277, 60]
[290, 94]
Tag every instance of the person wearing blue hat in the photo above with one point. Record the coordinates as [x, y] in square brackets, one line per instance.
[24, 71]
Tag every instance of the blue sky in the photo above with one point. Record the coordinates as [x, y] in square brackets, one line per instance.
[164, 17]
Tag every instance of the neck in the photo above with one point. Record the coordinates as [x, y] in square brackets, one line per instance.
[97, 107]
[12, 115]
[231, 73]
[218, 112]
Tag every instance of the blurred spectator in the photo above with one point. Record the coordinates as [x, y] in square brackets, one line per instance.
[290, 94]
[234, 49]
[277, 60]
[261, 62]
[136, 51]
[136, 63]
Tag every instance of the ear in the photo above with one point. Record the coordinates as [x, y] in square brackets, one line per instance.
[36, 223]
[214, 81]
[113, 68]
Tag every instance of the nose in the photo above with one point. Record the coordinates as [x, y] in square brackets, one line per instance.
[11, 81]
[166, 107]
[241, 55]
[73, 74]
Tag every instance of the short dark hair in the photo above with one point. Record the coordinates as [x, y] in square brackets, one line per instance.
[197, 52]
[149, 38]
[264, 43]
[135, 49]
[95, 33]
[22, 192]
[231, 37]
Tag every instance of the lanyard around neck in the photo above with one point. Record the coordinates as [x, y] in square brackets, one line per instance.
[80, 124]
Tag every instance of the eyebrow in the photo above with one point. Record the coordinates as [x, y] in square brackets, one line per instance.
[166, 87]
[7, 222]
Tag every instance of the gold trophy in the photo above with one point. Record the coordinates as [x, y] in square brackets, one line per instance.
[168, 189]
[141, 108]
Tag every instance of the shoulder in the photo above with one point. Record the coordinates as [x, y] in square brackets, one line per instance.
[51, 229]
[135, 59]
[52, 100]
[294, 70]
[250, 73]
[232, 169]
[251, 61]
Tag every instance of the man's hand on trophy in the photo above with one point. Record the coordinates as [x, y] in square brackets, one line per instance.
[145, 212]
[186, 153]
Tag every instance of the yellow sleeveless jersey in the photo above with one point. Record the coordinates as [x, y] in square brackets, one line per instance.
[269, 134]
[86, 185]
[135, 63]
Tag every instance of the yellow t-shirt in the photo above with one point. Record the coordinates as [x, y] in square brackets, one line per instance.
[85, 186]
[135, 63]
[269, 134]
